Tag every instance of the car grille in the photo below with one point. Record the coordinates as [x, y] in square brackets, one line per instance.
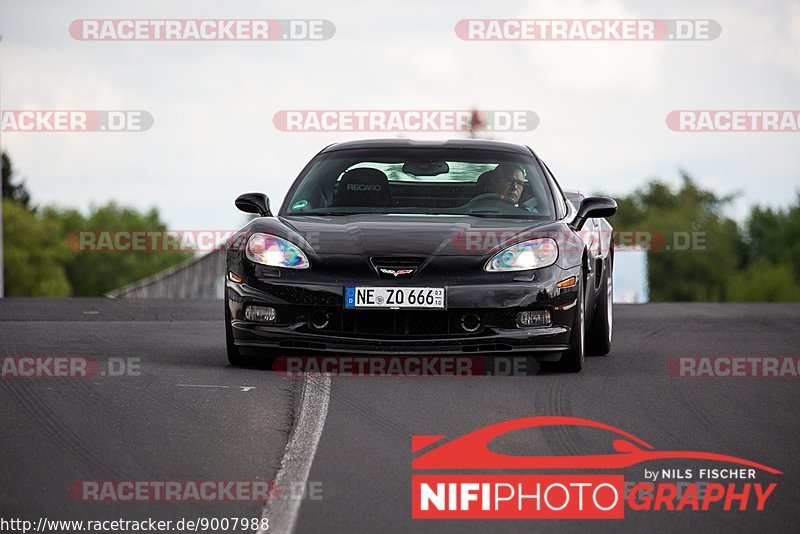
[397, 323]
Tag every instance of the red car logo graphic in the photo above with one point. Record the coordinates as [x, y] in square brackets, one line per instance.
[397, 272]
[471, 451]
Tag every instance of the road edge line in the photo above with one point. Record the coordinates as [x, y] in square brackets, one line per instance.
[299, 453]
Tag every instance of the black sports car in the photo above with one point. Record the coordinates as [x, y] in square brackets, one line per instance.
[422, 247]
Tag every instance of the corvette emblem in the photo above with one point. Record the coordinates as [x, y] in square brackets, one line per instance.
[397, 272]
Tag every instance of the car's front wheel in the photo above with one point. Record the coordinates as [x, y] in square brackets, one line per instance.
[234, 356]
[572, 360]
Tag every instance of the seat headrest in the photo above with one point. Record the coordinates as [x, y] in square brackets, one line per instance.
[482, 183]
[364, 186]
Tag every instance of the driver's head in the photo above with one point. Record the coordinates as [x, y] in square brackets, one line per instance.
[508, 180]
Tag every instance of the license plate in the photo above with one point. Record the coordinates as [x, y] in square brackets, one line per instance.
[394, 297]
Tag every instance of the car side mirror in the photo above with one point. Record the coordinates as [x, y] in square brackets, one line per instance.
[593, 207]
[254, 203]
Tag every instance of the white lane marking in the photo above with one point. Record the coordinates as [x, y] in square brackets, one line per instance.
[241, 388]
[299, 453]
[199, 386]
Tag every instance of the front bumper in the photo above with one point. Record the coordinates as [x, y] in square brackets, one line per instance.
[406, 331]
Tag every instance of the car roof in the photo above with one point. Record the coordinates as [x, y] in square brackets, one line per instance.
[479, 144]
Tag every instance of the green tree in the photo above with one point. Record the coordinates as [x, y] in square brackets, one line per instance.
[702, 271]
[764, 281]
[93, 273]
[770, 260]
[759, 261]
[34, 254]
[39, 261]
[11, 191]
[774, 236]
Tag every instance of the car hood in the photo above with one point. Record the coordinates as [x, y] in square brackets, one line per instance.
[409, 235]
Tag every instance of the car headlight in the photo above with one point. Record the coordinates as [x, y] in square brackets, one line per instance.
[533, 254]
[267, 249]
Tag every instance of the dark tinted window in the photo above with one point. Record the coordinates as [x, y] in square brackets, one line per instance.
[422, 181]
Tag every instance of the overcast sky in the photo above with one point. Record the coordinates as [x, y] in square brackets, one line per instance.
[602, 105]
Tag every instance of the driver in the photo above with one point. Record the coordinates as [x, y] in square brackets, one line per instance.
[507, 179]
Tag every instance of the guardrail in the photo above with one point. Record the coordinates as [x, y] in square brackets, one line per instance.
[201, 277]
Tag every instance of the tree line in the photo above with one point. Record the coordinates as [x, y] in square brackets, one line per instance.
[41, 260]
[724, 261]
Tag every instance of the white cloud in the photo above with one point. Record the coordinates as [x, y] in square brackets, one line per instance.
[608, 66]
[602, 105]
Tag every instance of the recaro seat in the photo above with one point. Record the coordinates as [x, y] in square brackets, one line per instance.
[482, 183]
[363, 187]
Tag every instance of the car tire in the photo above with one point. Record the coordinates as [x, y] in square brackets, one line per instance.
[235, 358]
[572, 360]
[598, 338]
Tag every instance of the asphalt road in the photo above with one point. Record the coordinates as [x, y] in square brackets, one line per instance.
[185, 415]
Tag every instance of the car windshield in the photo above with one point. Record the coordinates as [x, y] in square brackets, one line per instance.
[422, 181]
